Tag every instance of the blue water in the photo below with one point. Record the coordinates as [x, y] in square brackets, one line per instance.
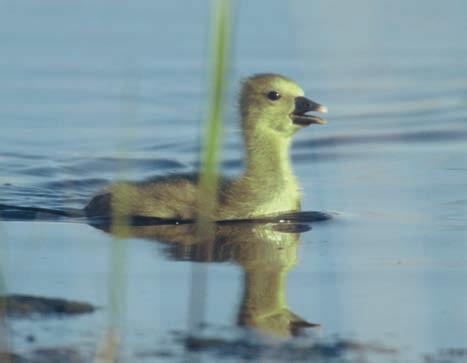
[93, 92]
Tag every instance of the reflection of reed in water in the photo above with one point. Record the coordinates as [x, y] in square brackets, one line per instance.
[266, 253]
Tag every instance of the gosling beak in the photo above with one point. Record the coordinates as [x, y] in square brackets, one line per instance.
[304, 105]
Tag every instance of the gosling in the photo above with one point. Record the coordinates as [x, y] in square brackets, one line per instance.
[272, 108]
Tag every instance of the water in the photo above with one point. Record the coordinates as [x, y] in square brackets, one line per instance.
[94, 92]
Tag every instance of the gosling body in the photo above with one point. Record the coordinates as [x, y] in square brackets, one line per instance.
[272, 109]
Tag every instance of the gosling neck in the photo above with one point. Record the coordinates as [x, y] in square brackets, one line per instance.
[267, 155]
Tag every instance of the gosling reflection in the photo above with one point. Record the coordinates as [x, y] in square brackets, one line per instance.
[266, 252]
[267, 257]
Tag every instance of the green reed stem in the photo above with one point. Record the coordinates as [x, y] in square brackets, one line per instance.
[209, 177]
[214, 122]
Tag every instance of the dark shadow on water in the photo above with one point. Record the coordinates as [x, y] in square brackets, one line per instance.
[253, 350]
[20, 213]
[28, 306]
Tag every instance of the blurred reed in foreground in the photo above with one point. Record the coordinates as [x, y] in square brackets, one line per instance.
[108, 350]
[213, 126]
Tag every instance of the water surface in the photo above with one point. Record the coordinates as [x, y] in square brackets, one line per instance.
[94, 92]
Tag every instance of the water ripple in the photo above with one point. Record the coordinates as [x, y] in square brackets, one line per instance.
[114, 164]
[425, 136]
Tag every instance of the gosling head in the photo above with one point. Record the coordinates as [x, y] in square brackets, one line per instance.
[271, 102]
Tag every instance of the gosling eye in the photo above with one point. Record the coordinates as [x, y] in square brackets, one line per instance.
[273, 95]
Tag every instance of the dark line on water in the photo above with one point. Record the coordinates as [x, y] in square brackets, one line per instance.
[20, 213]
